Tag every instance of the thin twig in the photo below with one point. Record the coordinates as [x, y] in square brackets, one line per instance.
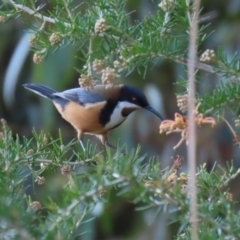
[53, 162]
[192, 54]
[36, 14]
[90, 51]
[198, 65]
[42, 26]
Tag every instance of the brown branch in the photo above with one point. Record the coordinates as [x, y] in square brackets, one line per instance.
[191, 151]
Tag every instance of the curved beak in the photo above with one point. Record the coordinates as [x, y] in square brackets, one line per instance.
[149, 108]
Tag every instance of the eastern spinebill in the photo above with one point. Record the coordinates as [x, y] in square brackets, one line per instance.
[95, 111]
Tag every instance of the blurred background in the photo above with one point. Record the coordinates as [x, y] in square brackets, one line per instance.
[24, 110]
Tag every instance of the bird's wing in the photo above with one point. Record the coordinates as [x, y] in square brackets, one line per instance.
[80, 96]
[98, 94]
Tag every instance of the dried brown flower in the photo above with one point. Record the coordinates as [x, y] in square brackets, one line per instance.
[3, 19]
[208, 56]
[229, 197]
[45, 140]
[66, 170]
[152, 184]
[36, 205]
[30, 152]
[177, 162]
[109, 76]
[167, 5]
[40, 180]
[43, 165]
[180, 125]
[172, 177]
[182, 102]
[86, 82]
[4, 122]
[102, 193]
[55, 39]
[32, 40]
[98, 65]
[101, 26]
[38, 57]
[117, 64]
[237, 123]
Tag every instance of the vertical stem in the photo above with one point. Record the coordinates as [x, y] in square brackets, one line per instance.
[192, 53]
[90, 51]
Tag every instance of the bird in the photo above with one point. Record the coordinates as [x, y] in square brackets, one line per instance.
[95, 111]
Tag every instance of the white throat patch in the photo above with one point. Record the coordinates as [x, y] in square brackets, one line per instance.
[117, 117]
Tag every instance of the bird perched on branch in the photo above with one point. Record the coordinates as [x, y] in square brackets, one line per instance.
[95, 111]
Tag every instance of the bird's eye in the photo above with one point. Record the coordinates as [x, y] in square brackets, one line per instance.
[134, 100]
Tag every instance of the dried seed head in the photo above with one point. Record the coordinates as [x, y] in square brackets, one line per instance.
[177, 162]
[182, 102]
[151, 184]
[66, 170]
[237, 123]
[183, 187]
[86, 82]
[43, 165]
[183, 178]
[102, 193]
[109, 76]
[3, 19]
[229, 197]
[117, 64]
[40, 180]
[38, 57]
[208, 56]
[4, 123]
[32, 40]
[36, 205]
[171, 177]
[101, 26]
[55, 39]
[30, 152]
[98, 65]
[45, 140]
[167, 5]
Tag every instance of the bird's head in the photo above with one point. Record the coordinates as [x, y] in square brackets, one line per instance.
[134, 100]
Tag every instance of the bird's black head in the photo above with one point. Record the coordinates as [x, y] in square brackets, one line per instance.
[133, 95]
[136, 97]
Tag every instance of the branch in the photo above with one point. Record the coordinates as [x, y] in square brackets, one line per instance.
[90, 51]
[36, 14]
[52, 162]
[198, 65]
[191, 151]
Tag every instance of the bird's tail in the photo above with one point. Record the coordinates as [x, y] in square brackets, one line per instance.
[40, 90]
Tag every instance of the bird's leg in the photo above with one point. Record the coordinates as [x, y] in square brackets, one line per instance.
[80, 136]
[105, 141]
